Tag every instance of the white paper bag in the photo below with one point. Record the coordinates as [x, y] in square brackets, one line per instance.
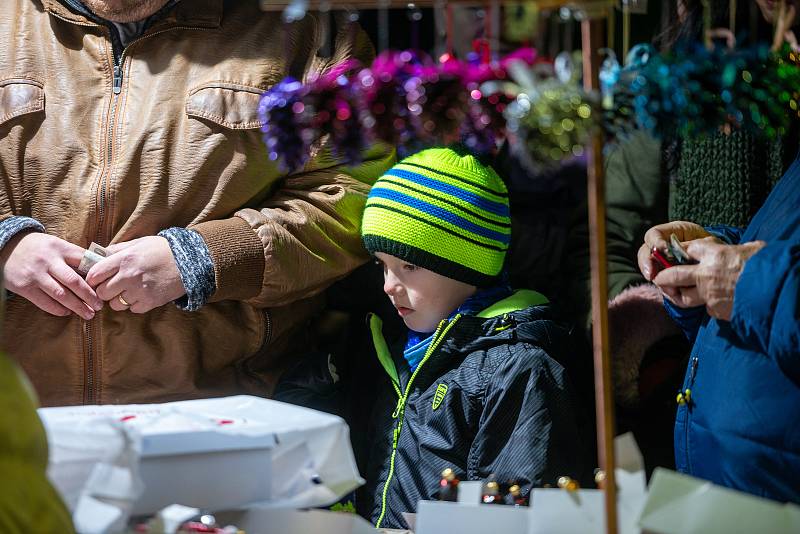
[683, 504]
[213, 454]
[94, 465]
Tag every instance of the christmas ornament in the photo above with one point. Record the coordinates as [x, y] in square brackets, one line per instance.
[552, 116]
[696, 90]
[280, 110]
[332, 108]
[384, 88]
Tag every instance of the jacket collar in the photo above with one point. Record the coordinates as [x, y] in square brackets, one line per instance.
[518, 300]
[200, 13]
[497, 323]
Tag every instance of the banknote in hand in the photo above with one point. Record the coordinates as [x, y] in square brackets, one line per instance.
[93, 255]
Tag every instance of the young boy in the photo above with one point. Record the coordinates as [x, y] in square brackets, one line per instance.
[478, 386]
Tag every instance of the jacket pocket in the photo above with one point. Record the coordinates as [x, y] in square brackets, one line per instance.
[20, 96]
[230, 105]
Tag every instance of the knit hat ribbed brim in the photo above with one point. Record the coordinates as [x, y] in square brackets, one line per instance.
[442, 211]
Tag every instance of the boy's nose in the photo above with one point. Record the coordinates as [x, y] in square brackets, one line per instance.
[391, 286]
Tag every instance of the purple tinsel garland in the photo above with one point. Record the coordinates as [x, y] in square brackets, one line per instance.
[404, 99]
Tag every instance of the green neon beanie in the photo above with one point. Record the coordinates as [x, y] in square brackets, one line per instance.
[444, 211]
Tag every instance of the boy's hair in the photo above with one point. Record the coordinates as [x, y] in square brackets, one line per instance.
[442, 210]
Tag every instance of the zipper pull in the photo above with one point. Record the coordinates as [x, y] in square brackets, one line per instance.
[695, 361]
[117, 79]
[397, 408]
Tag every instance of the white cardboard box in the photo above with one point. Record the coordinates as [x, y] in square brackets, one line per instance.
[437, 517]
[551, 510]
[681, 504]
[224, 453]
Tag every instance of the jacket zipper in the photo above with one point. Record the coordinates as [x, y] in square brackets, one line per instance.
[91, 395]
[118, 62]
[88, 394]
[692, 373]
[267, 328]
[399, 411]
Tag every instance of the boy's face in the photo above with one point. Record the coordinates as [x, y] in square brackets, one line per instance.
[422, 297]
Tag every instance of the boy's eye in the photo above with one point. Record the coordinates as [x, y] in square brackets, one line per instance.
[409, 267]
[376, 261]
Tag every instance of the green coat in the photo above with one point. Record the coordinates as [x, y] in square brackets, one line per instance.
[28, 503]
[636, 199]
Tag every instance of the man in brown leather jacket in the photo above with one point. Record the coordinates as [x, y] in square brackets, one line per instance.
[134, 124]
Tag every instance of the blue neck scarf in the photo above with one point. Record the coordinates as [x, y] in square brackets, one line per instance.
[418, 342]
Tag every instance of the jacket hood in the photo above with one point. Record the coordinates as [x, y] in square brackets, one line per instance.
[523, 317]
[534, 323]
[519, 318]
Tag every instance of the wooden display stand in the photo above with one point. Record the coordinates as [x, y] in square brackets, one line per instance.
[593, 25]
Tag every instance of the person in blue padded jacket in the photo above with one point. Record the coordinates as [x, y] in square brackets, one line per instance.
[738, 419]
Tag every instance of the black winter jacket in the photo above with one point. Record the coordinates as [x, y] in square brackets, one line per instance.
[490, 397]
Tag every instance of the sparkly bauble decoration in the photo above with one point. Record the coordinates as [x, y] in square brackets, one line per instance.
[384, 88]
[553, 123]
[331, 107]
[490, 92]
[438, 101]
[787, 65]
[296, 116]
[694, 90]
[280, 109]
[551, 118]
[486, 123]
[404, 99]
[763, 86]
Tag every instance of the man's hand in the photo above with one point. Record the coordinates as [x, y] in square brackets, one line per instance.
[712, 281]
[41, 268]
[142, 271]
[657, 236]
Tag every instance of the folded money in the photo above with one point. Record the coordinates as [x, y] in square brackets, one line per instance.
[94, 254]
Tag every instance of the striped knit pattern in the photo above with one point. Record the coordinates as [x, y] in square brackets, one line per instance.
[442, 211]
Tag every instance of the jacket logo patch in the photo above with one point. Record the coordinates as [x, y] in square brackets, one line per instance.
[438, 397]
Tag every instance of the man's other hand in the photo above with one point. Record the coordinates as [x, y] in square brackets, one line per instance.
[41, 268]
[140, 275]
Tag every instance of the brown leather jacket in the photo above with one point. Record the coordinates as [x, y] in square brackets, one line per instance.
[178, 145]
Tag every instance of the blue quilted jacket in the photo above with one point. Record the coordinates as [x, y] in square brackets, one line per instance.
[741, 426]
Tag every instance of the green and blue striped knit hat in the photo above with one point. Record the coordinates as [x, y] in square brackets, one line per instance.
[443, 211]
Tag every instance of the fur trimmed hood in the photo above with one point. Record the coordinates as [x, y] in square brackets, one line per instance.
[637, 320]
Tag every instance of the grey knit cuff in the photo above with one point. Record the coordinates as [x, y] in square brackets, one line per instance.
[194, 265]
[14, 225]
